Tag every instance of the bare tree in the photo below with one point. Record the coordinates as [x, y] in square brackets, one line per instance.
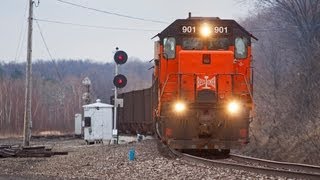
[287, 73]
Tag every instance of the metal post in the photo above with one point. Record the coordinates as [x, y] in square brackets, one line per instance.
[115, 131]
[28, 92]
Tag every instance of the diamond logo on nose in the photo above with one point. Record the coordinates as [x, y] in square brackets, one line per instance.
[206, 82]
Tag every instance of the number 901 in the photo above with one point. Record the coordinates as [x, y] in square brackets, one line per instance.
[188, 29]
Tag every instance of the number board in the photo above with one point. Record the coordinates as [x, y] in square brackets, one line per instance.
[216, 30]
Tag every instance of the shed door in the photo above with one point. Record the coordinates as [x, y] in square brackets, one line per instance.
[103, 124]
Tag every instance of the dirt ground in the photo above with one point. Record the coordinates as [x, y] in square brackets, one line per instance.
[104, 161]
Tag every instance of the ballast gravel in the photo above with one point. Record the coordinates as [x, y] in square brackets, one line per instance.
[100, 161]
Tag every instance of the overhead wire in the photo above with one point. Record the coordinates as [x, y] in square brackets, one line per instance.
[23, 42]
[112, 13]
[48, 51]
[268, 30]
[21, 34]
[136, 29]
[279, 29]
[94, 26]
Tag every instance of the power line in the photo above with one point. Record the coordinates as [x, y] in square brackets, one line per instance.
[112, 13]
[280, 29]
[22, 34]
[93, 26]
[23, 42]
[43, 39]
[44, 42]
[151, 30]
[269, 30]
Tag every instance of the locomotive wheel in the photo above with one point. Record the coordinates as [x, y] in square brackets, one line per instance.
[219, 153]
[225, 152]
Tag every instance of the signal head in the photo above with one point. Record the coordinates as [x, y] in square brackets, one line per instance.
[120, 57]
[120, 81]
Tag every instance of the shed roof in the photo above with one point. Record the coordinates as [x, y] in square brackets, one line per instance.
[98, 104]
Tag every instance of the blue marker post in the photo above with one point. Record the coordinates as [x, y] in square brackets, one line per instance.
[131, 154]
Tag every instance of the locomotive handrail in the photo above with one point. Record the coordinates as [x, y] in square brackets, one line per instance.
[197, 74]
[166, 81]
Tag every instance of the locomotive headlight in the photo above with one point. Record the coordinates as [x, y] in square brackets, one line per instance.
[179, 107]
[205, 30]
[233, 107]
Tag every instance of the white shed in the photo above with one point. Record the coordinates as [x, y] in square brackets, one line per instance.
[97, 122]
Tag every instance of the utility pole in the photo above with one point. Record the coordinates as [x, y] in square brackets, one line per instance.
[28, 91]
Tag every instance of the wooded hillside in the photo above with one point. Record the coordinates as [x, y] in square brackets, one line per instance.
[286, 80]
[57, 91]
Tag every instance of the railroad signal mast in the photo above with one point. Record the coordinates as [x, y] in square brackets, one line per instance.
[119, 81]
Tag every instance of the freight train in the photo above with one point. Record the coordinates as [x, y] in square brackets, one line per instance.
[202, 93]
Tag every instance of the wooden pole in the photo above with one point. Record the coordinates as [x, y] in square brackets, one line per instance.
[28, 91]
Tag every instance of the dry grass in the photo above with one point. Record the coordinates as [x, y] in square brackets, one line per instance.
[5, 136]
[50, 133]
[40, 133]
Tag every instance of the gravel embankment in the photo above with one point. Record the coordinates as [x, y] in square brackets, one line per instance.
[111, 162]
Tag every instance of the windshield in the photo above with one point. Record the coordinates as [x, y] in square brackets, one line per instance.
[192, 44]
[169, 48]
[212, 44]
[218, 43]
[241, 47]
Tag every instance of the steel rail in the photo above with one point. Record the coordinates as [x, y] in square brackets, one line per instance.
[255, 169]
[278, 164]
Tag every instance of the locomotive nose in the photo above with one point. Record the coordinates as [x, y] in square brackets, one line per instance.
[204, 62]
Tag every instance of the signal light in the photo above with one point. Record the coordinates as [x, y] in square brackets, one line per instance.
[120, 57]
[120, 81]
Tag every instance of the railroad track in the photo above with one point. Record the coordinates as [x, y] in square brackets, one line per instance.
[277, 164]
[260, 166]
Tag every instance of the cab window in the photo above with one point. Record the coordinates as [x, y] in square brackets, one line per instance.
[218, 44]
[241, 47]
[169, 45]
[192, 44]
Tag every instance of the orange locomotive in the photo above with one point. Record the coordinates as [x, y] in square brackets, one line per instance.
[204, 84]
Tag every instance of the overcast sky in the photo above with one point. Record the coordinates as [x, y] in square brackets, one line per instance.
[77, 42]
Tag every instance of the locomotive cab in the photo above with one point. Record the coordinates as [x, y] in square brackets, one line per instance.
[204, 86]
